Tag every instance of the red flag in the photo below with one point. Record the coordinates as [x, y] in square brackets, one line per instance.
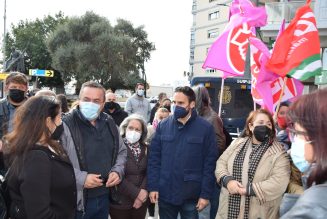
[297, 50]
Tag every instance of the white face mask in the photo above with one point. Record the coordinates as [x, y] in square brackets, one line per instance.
[132, 136]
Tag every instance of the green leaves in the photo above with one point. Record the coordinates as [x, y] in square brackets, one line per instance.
[83, 48]
[30, 37]
[89, 48]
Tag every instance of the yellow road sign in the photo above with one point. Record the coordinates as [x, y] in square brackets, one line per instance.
[3, 75]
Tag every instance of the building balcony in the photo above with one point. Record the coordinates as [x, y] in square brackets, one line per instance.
[277, 11]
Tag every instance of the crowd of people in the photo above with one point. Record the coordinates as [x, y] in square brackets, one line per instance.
[95, 159]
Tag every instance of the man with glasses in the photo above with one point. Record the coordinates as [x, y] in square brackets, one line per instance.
[96, 150]
[138, 103]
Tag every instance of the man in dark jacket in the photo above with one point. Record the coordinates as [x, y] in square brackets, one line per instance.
[16, 86]
[114, 109]
[182, 160]
[96, 150]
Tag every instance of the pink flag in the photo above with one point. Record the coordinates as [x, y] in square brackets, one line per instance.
[228, 52]
[267, 86]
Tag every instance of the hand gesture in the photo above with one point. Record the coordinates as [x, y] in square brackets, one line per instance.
[137, 203]
[202, 203]
[92, 181]
[113, 179]
[154, 196]
[143, 195]
[233, 187]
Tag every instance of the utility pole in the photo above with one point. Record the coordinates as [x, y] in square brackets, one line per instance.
[4, 32]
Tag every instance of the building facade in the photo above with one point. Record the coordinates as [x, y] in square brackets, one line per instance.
[209, 20]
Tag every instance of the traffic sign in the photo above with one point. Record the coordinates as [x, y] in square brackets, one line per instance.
[42, 73]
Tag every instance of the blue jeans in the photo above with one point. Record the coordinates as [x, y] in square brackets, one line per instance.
[187, 210]
[96, 208]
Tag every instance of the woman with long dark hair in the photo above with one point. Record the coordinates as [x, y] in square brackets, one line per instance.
[41, 178]
[254, 172]
[308, 125]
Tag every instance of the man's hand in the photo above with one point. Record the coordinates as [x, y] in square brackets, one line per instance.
[154, 196]
[92, 181]
[202, 203]
[137, 203]
[113, 179]
[143, 195]
[233, 187]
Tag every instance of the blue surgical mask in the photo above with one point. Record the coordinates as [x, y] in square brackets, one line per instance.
[89, 110]
[180, 112]
[140, 93]
[297, 154]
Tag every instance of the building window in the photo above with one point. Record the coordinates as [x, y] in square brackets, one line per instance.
[213, 15]
[213, 33]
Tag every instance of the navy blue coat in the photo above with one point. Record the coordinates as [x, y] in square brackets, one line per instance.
[182, 160]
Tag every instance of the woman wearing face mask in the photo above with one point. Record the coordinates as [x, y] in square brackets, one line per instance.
[308, 116]
[161, 114]
[253, 171]
[281, 125]
[132, 190]
[41, 179]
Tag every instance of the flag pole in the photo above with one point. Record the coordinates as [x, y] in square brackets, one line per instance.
[221, 95]
[280, 98]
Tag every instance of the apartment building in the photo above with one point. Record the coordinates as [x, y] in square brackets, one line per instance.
[209, 20]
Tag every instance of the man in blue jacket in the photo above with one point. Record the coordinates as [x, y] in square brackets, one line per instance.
[182, 160]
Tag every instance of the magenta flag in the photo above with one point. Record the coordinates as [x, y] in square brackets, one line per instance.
[267, 86]
[228, 52]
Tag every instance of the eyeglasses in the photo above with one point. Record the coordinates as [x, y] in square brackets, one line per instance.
[292, 133]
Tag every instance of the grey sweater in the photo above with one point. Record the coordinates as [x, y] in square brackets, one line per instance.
[138, 105]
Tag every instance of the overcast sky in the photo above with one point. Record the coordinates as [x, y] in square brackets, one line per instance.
[167, 23]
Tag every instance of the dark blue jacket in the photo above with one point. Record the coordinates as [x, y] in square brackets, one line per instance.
[182, 160]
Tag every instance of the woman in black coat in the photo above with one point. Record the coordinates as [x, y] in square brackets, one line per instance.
[41, 178]
[132, 190]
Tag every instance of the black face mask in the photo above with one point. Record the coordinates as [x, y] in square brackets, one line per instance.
[16, 95]
[57, 132]
[167, 107]
[261, 132]
[110, 105]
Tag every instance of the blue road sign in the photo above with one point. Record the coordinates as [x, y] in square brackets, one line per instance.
[41, 73]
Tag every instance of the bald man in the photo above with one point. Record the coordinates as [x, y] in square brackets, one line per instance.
[114, 109]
